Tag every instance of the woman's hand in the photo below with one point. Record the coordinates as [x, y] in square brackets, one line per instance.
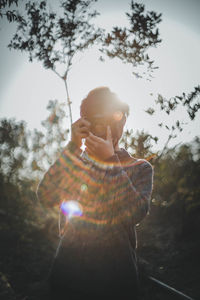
[80, 130]
[98, 147]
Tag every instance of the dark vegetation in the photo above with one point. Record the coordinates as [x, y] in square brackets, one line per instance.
[168, 238]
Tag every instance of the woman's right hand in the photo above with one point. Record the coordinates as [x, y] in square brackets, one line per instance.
[80, 130]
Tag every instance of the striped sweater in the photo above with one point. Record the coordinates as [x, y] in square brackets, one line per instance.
[114, 196]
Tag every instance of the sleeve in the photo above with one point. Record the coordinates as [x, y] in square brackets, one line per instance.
[141, 189]
[132, 190]
[57, 181]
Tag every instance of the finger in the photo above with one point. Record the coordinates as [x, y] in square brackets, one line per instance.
[84, 130]
[84, 122]
[90, 142]
[80, 132]
[90, 147]
[83, 135]
[81, 123]
[95, 138]
[89, 151]
[109, 134]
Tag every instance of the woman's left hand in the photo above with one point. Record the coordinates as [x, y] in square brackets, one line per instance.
[98, 147]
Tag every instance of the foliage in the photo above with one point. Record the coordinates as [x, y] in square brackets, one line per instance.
[176, 175]
[176, 182]
[55, 38]
[26, 155]
[139, 145]
[11, 15]
[47, 146]
[189, 101]
[176, 192]
[13, 149]
[176, 198]
[52, 39]
[131, 45]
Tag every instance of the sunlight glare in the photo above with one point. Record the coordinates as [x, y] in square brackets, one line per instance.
[71, 209]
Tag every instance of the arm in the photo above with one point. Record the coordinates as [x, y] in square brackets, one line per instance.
[131, 189]
[141, 188]
[57, 182]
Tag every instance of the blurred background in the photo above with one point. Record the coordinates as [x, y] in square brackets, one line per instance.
[52, 55]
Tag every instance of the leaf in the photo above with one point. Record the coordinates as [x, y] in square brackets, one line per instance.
[150, 111]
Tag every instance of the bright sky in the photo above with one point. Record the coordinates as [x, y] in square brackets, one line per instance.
[26, 88]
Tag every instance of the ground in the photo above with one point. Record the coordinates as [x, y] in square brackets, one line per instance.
[164, 252]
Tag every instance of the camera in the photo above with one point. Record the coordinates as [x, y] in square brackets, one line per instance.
[100, 122]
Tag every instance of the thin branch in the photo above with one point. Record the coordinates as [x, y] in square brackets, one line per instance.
[68, 100]
[57, 73]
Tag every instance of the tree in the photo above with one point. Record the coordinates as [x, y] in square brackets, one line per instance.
[54, 38]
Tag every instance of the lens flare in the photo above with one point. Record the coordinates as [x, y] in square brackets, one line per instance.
[84, 187]
[103, 196]
[117, 116]
[71, 209]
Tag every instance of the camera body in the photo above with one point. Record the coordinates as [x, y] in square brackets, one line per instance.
[100, 122]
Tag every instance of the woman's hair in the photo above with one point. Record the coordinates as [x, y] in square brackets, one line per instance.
[100, 100]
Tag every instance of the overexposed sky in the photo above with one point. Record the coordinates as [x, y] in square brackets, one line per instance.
[26, 88]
